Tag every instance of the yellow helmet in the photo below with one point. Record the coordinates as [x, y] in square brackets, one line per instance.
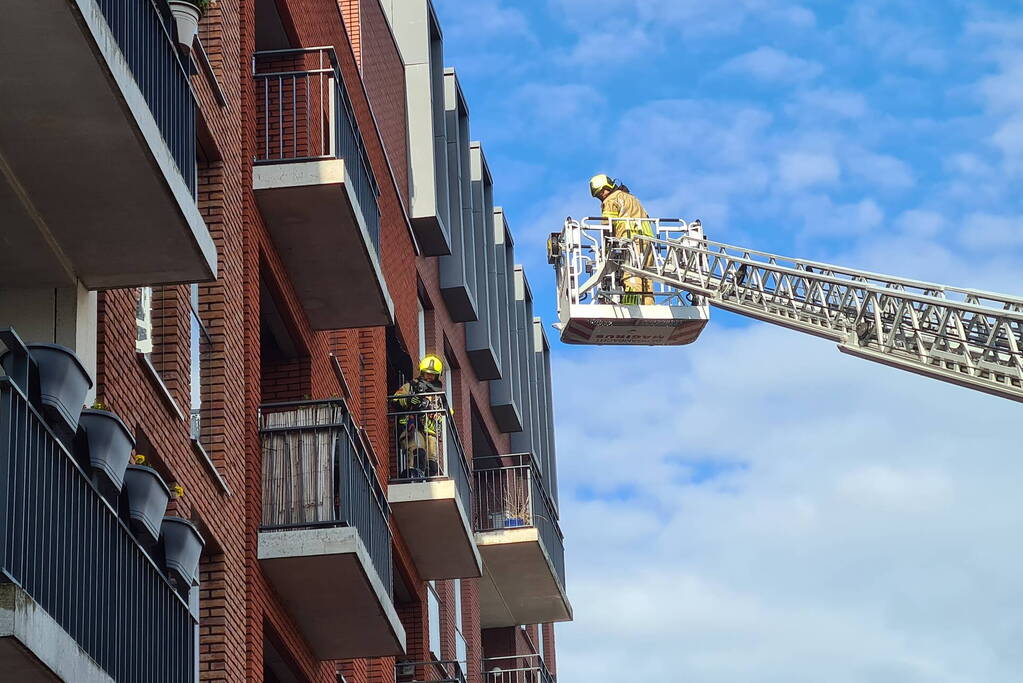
[431, 363]
[600, 182]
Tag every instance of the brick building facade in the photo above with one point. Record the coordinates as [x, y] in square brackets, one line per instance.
[249, 240]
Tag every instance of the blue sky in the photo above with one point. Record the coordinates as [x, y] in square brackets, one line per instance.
[757, 506]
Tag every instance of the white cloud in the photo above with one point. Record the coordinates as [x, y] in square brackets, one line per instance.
[921, 223]
[771, 65]
[983, 230]
[880, 170]
[803, 169]
[844, 104]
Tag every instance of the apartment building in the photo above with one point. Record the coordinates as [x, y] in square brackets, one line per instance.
[235, 247]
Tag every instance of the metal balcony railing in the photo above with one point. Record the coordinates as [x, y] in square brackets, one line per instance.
[425, 443]
[435, 672]
[517, 669]
[303, 113]
[510, 493]
[65, 546]
[143, 31]
[317, 472]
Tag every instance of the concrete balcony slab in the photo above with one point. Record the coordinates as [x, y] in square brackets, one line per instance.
[314, 218]
[435, 528]
[520, 584]
[90, 188]
[326, 580]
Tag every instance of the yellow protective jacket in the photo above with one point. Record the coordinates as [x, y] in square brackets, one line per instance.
[432, 412]
[622, 205]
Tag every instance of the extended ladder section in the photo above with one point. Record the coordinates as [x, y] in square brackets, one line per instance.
[964, 336]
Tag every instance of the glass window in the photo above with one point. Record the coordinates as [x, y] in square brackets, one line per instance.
[144, 321]
[433, 608]
[201, 346]
[421, 322]
[461, 651]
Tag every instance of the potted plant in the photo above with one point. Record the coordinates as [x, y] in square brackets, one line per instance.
[516, 504]
[147, 497]
[186, 19]
[62, 380]
[182, 546]
[108, 444]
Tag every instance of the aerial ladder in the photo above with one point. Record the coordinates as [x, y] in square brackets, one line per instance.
[967, 337]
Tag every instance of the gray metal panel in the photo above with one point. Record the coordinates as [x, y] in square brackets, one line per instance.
[545, 410]
[525, 441]
[504, 393]
[456, 268]
[480, 341]
[417, 32]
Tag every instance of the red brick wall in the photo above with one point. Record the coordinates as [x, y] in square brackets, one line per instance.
[383, 72]
[237, 603]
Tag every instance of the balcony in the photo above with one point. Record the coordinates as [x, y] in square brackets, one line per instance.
[324, 543]
[97, 137]
[516, 669]
[80, 600]
[316, 190]
[431, 493]
[521, 544]
[435, 672]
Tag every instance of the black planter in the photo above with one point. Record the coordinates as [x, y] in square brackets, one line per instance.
[109, 445]
[182, 546]
[63, 383]
[147, 497]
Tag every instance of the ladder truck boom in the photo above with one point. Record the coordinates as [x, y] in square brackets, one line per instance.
[964, 336]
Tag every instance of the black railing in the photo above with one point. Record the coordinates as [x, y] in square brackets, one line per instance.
[510, 494]
[142, 30]
[317, 472]
[425, 442]
[304, 113]
[64, 545]
[435, 672]
[516, 669]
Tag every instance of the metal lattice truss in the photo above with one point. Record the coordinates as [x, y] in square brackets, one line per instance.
[968, 337]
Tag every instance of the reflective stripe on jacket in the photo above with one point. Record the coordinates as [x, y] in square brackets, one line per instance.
[622, 205]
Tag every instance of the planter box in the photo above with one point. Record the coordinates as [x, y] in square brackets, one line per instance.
[147, 498]
[186, 22]
[182, 546]
[63, 383]
[109, 445]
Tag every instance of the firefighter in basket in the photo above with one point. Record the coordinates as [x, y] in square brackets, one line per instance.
[625, 212]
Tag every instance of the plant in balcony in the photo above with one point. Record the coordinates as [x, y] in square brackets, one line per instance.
[146, 498]
[516, 504]
[182, 547]
[63, 383]
[108, 444]
[186, 19]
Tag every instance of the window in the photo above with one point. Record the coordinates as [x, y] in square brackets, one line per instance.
[144, 321]
[461, 651]
[433, 610]
[200, 351]
[421, 321]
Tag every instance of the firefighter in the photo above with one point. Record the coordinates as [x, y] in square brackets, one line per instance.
[418, 426]
[623, 210]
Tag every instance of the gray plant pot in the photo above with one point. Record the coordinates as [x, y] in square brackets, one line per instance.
[147, 498]
[109, 443]
[182, 546]
[63, 382]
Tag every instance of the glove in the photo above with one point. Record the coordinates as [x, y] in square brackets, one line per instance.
[415, 401]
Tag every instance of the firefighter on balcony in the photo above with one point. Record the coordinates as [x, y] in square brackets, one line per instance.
[624, 212]
[418, 424]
